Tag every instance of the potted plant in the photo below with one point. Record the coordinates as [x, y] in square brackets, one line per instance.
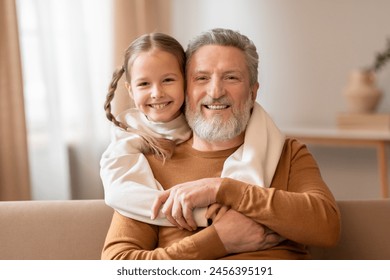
[381, 59]
[362, 94]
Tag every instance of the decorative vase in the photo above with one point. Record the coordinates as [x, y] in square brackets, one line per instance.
[361, 93]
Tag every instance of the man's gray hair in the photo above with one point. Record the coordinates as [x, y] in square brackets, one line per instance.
[230, 38]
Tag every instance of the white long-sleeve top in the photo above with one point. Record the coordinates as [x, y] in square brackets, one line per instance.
[128, 181]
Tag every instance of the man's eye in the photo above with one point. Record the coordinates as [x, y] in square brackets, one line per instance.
[201, 78]
[231, 77]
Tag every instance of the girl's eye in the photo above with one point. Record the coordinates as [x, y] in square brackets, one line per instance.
[142, 84]
[169, 80]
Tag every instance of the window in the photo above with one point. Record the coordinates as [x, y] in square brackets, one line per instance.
[66, 48]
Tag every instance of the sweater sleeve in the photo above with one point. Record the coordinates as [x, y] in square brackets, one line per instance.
[130, 239]
[298, 205]
[129, 183]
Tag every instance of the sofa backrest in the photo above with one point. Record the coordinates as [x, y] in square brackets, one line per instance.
[76, 229]
[365, 232]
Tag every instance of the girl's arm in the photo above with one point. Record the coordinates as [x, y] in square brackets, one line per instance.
[129, 184]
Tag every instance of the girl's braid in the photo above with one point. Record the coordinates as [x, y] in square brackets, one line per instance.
[110, 96]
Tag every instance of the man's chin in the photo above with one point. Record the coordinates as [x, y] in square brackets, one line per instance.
[215, 129]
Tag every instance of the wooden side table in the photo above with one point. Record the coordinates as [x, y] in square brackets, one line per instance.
[350, 138]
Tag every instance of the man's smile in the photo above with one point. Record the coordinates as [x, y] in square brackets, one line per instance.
[217, 107]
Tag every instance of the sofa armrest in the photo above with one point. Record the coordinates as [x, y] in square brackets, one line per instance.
[60, 230]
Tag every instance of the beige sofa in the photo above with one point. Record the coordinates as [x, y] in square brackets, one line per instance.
[76, 230]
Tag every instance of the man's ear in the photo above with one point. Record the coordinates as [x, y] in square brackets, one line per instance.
[128, 87]
[254, 90]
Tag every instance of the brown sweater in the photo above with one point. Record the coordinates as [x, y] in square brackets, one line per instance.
[298, 206]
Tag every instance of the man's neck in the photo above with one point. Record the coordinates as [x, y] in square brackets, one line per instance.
[207, 146]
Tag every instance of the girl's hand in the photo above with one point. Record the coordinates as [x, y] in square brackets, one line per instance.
[178, 202]
[216, 211]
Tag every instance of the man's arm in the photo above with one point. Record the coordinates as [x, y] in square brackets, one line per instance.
[298, 205]
[130, 239]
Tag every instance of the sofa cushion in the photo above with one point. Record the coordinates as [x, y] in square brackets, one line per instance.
[76, 229]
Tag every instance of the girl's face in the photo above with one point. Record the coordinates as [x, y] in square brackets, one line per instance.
[157, 85]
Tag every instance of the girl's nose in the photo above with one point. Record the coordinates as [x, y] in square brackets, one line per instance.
[157, 92]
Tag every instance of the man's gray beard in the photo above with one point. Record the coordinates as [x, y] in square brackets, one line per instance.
[217, 129]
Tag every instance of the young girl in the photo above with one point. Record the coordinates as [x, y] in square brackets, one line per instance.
[154, 70]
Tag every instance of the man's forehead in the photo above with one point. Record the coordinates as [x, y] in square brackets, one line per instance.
[215, 49]
[226, 57]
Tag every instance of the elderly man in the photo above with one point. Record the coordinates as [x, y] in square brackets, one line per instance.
[275, 221]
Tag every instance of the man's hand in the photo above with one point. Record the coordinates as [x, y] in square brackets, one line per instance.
[178, 202]
[240, 234]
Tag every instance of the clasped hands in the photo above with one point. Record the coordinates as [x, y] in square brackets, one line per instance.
[237, 232]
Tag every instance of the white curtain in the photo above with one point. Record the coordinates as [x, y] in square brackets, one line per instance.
[66, 48]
